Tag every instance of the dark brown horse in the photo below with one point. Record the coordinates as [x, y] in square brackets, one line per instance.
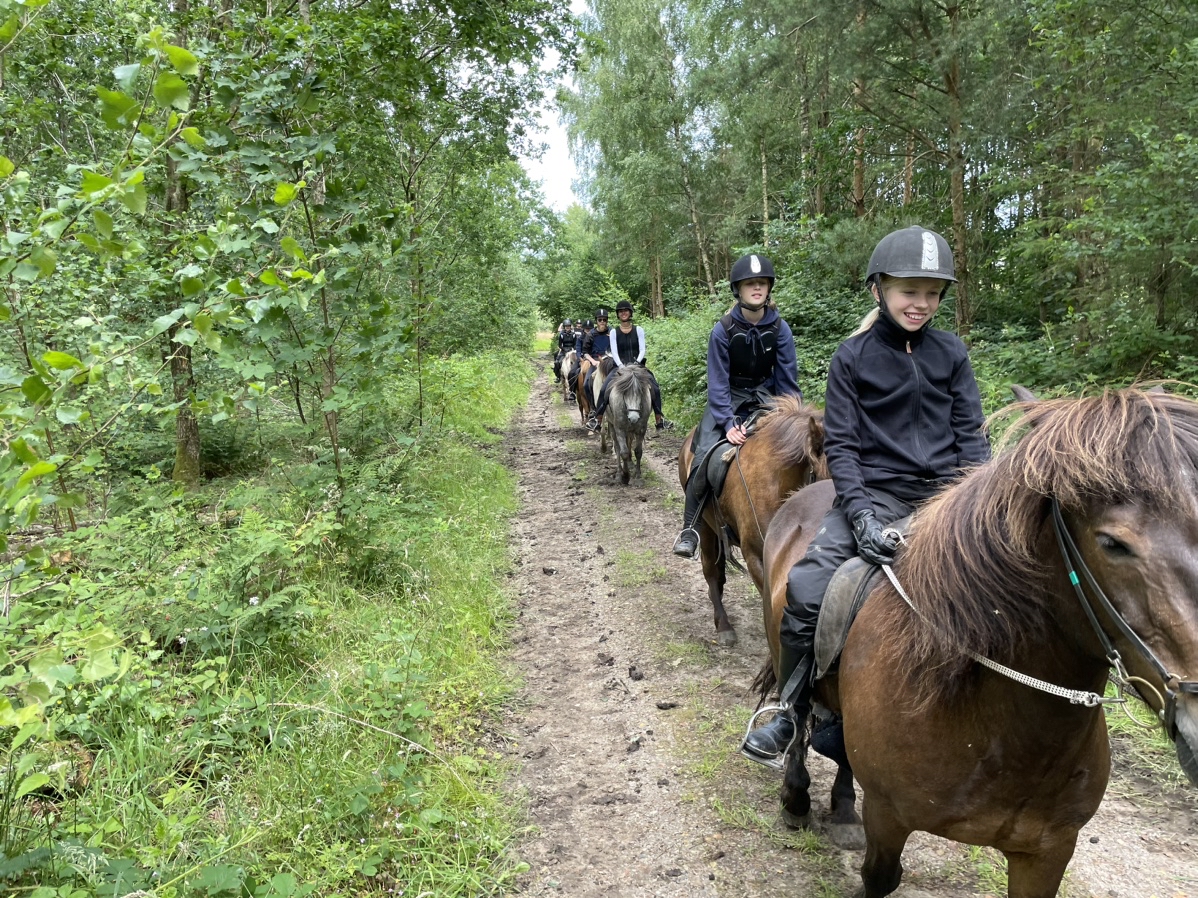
[1093, 497]
[784, 452]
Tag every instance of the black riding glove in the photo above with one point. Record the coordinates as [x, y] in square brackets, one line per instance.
[873, 543]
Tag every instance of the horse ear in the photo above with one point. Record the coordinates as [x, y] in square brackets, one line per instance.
[1023, 394]
[815, 430]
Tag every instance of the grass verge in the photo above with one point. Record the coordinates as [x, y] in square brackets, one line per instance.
[288, 679]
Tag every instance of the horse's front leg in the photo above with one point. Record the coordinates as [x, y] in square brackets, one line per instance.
[1039, 875]
[796, 785]
[885, 838]
[638, 447]
[714, 574]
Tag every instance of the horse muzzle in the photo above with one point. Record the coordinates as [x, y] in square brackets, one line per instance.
[634, 416]
[1185, 739]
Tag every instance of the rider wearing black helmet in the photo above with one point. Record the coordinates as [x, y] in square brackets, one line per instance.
[750, 359]
[565, 342]
[628, 348]
[902, 419]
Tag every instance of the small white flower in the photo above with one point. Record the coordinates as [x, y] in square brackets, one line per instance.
[182, 640]
[253, 600]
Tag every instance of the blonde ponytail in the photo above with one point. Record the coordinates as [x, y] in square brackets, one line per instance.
[867, 322]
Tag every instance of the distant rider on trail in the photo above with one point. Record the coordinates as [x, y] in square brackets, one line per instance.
[628, 348]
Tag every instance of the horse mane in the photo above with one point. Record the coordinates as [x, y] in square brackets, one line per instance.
[628, 381]
[787, 427]
[973, 564]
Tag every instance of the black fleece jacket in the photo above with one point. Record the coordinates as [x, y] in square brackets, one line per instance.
[902, 414]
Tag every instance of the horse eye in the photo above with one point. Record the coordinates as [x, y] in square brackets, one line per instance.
[1114, 546]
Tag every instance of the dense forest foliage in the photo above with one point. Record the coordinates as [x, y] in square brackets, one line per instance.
[1053, 142]
[251, 255]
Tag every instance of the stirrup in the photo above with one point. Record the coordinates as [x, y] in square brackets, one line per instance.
[776, 763]
[685, 531]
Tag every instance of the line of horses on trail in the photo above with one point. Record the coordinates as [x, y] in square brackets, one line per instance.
[629, 407]
[969, 691]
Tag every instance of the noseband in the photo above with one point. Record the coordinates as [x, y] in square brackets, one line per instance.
[1173, 684]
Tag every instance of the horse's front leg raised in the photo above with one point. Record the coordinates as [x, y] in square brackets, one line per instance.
[714, 574]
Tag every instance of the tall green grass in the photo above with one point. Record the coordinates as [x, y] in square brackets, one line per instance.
[309, 673]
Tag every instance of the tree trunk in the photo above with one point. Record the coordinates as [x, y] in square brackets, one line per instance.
[765, 198]
[657, 307]
[187, 427]
[956, 169]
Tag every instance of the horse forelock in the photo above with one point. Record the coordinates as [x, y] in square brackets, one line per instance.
[787, 427]
[973, 565]
[630, 383]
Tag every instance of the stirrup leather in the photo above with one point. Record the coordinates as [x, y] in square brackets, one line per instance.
[776, 763]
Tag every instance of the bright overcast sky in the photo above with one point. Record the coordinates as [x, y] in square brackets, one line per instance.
[555, 169]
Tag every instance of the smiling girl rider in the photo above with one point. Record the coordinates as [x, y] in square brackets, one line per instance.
[902, 418]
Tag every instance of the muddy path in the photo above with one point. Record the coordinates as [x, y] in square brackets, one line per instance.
[624, 737]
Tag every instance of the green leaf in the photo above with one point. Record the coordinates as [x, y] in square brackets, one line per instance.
[291, 246]
[10, 28]
[183, 61]
[93, 183]
[69, 415]
[61, 361]
[22, 451]
[103, 223]
[118, 110]
[35, 389]
[269, 277]
[41, 469]
[6, 166]
[266, 225]
[134, 198]
[126, 75]
[191, 286]
[235, 287]
[193, 138]
[45, 260]
[31, 782]
[285, 193]
[26, 271]
[171, 90]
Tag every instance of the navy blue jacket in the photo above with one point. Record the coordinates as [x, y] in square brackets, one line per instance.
[784, 380]
[597, 344]
[902, 414]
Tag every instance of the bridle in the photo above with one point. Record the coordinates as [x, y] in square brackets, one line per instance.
[1174, 685]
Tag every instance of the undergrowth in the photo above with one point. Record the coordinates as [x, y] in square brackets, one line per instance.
[273, 685]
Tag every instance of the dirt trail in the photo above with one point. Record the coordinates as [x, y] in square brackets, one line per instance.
[630, 715]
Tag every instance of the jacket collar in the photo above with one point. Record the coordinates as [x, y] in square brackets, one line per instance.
[893, 334]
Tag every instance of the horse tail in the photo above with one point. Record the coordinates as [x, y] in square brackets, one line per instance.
[763, 684]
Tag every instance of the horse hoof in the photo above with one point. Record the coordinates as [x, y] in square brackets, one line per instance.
[796, 821]
[726, 638]
[847, 836]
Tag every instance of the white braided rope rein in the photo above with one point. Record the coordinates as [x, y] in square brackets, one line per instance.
[1075, 696]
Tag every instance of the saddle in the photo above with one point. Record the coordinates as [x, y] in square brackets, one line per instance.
[845, 596]
[719, 458]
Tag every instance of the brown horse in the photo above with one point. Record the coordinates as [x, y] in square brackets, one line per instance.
[784, 452]
[1092, 498]
[587, 400]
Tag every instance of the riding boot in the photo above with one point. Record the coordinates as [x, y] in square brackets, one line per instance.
[771, 741]
[696, 495]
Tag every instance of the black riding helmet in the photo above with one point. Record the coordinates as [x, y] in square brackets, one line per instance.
[912, 252]
[601, 314]
[752, 265]
[623, 306]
